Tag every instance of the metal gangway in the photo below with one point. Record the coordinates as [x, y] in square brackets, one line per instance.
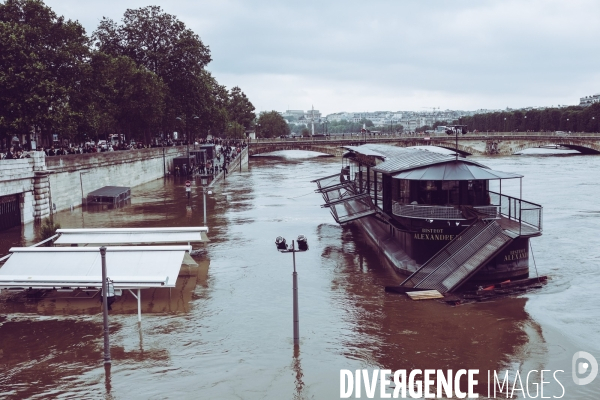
[461, 258]
[342, 198]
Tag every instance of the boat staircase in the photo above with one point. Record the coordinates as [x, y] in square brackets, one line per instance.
[344, 201]
[461, 258]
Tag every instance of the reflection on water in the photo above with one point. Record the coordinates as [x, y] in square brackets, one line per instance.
[393, 332]
[226, 330]
[37, 354]
[297, 368]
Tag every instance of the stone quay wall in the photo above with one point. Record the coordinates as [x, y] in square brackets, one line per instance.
[74, 176]
[65, 181]
[27, 178]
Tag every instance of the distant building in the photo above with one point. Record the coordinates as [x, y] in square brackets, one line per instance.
[589, 100]
[313, 115]
[294, 114]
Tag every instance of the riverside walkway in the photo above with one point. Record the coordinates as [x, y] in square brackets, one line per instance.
[33, 188]
[500, 143]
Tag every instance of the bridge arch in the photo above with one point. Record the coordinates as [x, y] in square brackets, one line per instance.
[463, 149]
[574, 144]
[258, 148]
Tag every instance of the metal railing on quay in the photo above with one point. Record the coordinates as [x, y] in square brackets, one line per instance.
[353, 137]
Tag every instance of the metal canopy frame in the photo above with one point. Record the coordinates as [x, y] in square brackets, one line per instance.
[37, 268]
[113, 236]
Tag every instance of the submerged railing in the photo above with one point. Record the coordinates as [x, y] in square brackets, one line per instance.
[527, 214]
[440, 212]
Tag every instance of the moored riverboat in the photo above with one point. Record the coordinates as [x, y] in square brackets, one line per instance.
[438, 218]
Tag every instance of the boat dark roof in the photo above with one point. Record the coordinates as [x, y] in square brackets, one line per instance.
[454, 171]
[383, 151]
[398, 159]
[109, 191]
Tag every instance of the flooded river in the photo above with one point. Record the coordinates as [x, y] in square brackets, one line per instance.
[225, 332]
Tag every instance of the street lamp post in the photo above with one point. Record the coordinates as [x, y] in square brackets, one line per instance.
[283, 248]
[187, 141]
[256, 131]
[204, 183]
[107, 360]
[196, 118]
[455, 130]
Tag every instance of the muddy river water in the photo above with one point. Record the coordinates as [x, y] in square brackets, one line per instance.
[225, 331]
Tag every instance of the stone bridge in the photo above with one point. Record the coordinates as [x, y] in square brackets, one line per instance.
[473, 143]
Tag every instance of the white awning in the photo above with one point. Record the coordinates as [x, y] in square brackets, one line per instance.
[131, 267]
[110, 236]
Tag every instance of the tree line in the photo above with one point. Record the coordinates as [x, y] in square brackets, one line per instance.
[140, 78]
[568, 119]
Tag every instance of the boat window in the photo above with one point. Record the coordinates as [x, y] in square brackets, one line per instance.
[429, 193]
[478, 193]
[353, 171]
[401, 191]
[450, 192]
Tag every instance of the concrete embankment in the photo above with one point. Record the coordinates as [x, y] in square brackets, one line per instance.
[24, 182]
[74, 176]
[34, 184]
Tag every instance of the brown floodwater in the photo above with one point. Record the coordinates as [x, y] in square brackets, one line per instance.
[225, 331]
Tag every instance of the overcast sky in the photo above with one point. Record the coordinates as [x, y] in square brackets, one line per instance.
[388, 55]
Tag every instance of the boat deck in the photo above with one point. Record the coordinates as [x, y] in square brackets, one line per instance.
[521, 229]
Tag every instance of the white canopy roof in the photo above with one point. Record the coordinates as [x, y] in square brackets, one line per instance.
[132, 235]
[81, 267]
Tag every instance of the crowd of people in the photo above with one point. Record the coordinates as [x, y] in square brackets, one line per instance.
[225, 152]
[17, 150]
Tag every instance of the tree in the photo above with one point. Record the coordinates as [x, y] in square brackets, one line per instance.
[367, 122]
[41, 57]
[239, 108]
[574, 118]
[344, 126]
[156, 40]
[161, 43]
[119, 96]
[213, 114]
[235, 131]
[272, 124]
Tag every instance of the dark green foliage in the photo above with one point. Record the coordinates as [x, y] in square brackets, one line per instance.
[41, 60]
[239, 108]
[142, 77]
[574, 119]
[272, 124]
[344, 126]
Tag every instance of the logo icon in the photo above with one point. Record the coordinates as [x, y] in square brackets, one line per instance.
[581, 367]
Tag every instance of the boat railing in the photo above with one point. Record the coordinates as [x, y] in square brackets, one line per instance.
[441, 212]
[528, 215]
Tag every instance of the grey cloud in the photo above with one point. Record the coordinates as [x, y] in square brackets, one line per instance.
[475, 52]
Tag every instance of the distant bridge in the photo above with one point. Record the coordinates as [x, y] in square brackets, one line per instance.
[507, 143]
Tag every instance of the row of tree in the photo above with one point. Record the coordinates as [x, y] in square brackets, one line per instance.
[141, 78]
[573, 119]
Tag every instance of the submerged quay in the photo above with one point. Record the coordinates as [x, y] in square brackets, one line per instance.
[225, 330]
[35, 187]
